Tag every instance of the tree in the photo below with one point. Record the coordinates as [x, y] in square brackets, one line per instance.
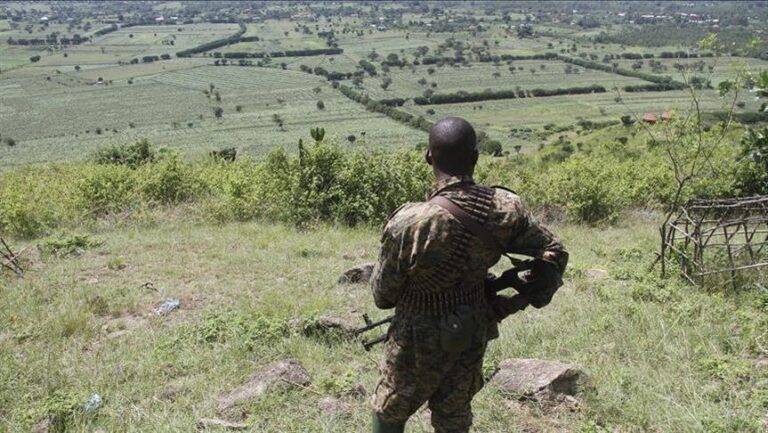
[320, 105]
[218, 112]
[351, 138]
[525, 31]
[34, 59]
[385, 82]
[77, 67]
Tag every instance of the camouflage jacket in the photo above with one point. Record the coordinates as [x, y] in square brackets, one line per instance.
[418, 246]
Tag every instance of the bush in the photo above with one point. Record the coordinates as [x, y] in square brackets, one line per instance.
[106, 188]
[131, 155]
[169, 181]
[752, 177]
[32, 201]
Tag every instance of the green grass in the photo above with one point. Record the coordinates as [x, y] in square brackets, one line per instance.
[661, 357]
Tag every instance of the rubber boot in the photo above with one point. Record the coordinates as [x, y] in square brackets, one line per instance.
[379, 426]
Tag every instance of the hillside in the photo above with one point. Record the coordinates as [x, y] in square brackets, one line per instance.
[657, 352]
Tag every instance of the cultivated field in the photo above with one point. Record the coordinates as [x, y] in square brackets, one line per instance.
[171, 110]
[56, 108]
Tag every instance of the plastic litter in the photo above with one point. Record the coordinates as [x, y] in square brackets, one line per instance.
[167, 306]
[94, 402]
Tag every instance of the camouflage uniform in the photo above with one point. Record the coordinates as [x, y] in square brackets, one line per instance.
[429, 264]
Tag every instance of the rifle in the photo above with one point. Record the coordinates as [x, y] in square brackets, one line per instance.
[493, 284]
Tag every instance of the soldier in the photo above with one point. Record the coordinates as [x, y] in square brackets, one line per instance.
[432, 268]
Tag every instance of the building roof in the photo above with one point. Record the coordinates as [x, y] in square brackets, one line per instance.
[649, 117]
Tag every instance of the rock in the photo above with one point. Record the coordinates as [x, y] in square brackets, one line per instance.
[280, 375]
[166, 307]
[596, 274]
[330, 326]
[334, 406]
[204, 423]
[358, 274]
[538, 380]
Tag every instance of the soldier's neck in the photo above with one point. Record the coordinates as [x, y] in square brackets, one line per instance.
[441, 175]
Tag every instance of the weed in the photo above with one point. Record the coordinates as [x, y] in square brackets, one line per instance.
[72, 245]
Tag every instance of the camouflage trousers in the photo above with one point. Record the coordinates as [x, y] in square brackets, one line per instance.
[416, 371]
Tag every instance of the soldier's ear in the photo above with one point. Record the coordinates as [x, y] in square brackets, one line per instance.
[428, 156]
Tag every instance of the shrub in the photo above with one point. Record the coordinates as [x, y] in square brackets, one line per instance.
[33, 200]
[106, 188]
[131, 155]
[168, 181]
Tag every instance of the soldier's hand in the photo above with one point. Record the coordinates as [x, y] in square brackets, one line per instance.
[504, 306]
[540, 283]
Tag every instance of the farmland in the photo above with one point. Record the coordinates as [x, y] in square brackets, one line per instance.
[128, 83]
[170, 109]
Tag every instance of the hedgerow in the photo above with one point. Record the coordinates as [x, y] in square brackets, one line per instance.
[323, 182]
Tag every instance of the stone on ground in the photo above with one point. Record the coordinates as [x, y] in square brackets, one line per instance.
[538, 380]
[329, 325]
[335, 406]
[279, 375]
[358, 274]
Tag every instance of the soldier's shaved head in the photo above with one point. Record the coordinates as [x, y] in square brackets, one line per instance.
[452, 146]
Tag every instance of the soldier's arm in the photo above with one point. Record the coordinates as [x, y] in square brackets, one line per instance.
[389, 274]
[534, 240]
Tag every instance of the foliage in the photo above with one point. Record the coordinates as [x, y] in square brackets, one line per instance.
[753, 176]
[72, 245]
[239, 327]
[169, 181]
[214, 44]
[106, 189]
[131, 155]
[461, 96]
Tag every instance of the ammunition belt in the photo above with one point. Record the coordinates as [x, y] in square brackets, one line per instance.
[420, 302]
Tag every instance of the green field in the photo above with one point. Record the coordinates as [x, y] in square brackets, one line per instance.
[499, 117]
[54, 107]
[528, 75]
[162, 106]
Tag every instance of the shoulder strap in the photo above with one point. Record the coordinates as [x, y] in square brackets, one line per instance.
[466, 220]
